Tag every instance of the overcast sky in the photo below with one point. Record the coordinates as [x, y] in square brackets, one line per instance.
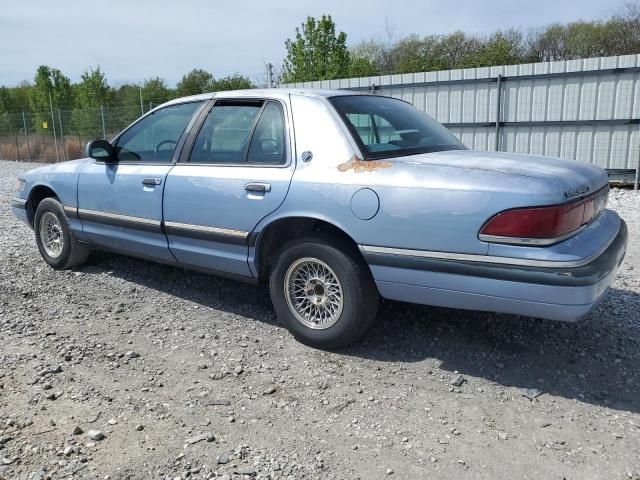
[136, 39]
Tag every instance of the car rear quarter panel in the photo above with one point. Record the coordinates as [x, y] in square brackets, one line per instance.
[424, 207]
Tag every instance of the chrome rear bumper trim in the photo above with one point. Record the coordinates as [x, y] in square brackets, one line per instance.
[465, 257]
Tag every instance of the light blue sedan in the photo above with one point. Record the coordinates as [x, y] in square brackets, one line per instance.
[335, 199]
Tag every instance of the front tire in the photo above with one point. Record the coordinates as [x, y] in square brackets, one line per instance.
[324, 294]
[57, 244]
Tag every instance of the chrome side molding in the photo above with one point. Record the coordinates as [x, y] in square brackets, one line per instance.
[19, 203]
[212, 234]
[120, 220]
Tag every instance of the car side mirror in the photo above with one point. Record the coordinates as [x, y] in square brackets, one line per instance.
[101, 150]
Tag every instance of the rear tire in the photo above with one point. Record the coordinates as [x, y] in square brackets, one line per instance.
[57, 244]
[323, 293]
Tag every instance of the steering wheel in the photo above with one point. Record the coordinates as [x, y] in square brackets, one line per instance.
[162, 143]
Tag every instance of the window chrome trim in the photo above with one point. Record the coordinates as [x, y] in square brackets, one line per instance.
[474, 258]
[162, 106]
[185, 156]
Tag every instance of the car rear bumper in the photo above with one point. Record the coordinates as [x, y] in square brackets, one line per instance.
[554, 290]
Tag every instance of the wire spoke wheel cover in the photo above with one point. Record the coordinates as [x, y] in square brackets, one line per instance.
[313, 293]
[51, 234]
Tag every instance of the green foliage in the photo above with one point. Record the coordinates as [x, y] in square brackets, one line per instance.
[49, 83]
[6, 121]
[93, 90]
[93, 94]
[316, 53]
[233, 82]
[361, 67]
[195, 82]
[155, 90]
[500, 49]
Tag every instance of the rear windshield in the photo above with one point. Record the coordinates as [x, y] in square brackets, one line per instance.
[386, 127]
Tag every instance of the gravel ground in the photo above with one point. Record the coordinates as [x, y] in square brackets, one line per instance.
[128, 369]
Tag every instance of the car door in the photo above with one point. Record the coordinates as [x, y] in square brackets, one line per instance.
[120, 202]
[237, 171]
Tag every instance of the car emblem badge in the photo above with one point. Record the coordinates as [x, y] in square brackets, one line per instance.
[576, 192]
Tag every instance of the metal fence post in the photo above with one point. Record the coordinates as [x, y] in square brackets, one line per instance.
[269, 75]
[141, 107]
[104, 131]
[637, 180]
[53, 124]
[17, 149]
[64, 153]
[498, 105]
[26, 135]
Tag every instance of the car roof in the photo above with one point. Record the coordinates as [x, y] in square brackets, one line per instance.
[263, 93]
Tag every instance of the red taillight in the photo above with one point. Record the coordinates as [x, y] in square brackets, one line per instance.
[542, 225]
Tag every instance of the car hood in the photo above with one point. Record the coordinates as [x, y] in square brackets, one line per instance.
[68, 167]
[572, 177]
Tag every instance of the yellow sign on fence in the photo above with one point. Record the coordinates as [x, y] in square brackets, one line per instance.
[45, 125]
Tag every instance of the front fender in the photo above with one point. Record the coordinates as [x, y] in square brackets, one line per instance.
[60, 178]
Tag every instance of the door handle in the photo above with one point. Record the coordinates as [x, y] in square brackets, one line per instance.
[258, 187]
[151, 181]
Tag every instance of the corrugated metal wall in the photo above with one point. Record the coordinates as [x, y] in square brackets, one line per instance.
[586, 110]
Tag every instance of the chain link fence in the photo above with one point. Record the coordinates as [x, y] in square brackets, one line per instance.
[60, 135]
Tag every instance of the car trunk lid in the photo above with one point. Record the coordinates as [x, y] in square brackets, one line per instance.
[575, 179]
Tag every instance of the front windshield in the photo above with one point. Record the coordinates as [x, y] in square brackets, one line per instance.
[386, 127]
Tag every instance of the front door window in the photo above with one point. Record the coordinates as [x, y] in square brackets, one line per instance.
[155, 137]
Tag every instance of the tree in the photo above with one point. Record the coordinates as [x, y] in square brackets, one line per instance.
[547, 44]
[373, 52]
[502, 48]
[624, 29]
[93, 90]
[317, 52]
[587, 39]
[92, 94]
[361, 67]
[7, 112]
[414, 54]
[233, 82]
[126, 100]
[195, 82]
[155, 90]
[49, 81]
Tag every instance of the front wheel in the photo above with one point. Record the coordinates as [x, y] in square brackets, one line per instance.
[322, 293]
[57, 244]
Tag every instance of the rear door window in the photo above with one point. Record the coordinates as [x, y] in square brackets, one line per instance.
[241, 131]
